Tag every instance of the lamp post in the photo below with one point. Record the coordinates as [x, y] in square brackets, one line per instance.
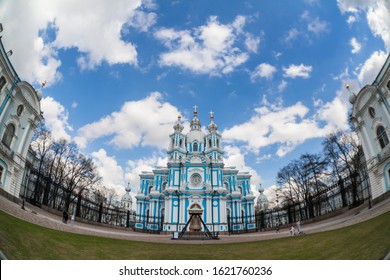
[277, 207]
[25, 189]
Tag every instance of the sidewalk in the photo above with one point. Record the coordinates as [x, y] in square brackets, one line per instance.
[36, 215]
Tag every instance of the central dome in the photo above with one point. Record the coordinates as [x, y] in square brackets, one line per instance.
[195, 135]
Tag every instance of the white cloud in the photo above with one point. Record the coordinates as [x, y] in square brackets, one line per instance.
[282, 86]
[318, 26]
[294, 71]
[377, 13]
[135, 167]
[287, 127]
[292, 34]
[356, 46]
[352, 19]
[208, 49]
[56, 118]
[263, 70]
[370, 69]
[139, 123]
[143, 20]
[92, 27]
[252, 43]
[111, 172]
[315, 25]
[235, 157]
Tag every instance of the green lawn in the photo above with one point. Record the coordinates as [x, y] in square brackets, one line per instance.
[22, 240]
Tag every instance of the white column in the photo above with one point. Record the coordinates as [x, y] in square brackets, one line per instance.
[366, 140]
[22, 143]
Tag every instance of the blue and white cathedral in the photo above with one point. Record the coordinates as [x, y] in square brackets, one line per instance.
[195, 181]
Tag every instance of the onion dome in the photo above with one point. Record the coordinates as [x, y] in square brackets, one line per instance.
[127, 197]
[212, 126]
[195, 133]
[178, 127]
[262, 198]
[195, 123]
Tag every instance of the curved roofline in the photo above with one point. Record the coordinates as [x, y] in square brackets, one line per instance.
[382, 71]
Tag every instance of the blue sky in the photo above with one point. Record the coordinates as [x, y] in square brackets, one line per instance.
[120, 72]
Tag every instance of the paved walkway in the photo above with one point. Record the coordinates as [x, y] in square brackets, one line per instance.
[36, 215]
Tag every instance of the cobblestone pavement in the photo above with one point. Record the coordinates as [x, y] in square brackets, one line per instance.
[38, 216]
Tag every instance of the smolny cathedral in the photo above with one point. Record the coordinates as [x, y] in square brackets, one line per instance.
[195, 181]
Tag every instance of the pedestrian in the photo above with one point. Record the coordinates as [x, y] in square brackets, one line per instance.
[64, 214]
[292, 230]
[277, 228]
[65, 217]
[72, 219]
[299, 226]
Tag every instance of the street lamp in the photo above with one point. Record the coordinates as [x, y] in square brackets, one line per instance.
[277, 207]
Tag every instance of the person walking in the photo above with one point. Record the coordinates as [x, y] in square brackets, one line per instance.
[72, 219]
[299, 226]
[292, 230]
[65, 217]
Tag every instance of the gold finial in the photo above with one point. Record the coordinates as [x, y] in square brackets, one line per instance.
[43, 84]
[178, 118]
[211, 115]
[195, 110]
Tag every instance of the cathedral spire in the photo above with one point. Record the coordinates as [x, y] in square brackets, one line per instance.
[195, 123]
[212, 126]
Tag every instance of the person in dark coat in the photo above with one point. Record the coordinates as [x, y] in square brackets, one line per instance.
[65, 217]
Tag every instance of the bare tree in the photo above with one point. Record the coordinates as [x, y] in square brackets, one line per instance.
[41, 145]
[80, 175]
[343, 151]
[314, 168]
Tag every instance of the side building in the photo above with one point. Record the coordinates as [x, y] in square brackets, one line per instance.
[371, 118]
[195, 180]
[20, 112]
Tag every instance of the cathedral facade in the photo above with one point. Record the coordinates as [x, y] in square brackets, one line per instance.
[371, 118]
[195, 180]
[20, 113]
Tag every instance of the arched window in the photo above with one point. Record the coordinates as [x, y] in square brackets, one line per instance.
[218, 143]
[181, 143]
[8, 135]
[226, 185]
[382, 136]
[195, 147]
[19, 110]
[210, 143]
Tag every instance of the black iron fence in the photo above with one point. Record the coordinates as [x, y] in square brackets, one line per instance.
[345, 193]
